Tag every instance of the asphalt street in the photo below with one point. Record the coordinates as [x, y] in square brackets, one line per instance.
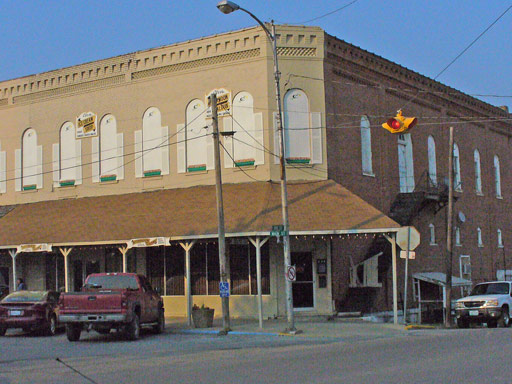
[476, 355]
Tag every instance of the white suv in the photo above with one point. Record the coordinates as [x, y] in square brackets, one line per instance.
[488, 303]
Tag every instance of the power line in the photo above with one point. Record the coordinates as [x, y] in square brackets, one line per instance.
[463, 51]
[326, 14]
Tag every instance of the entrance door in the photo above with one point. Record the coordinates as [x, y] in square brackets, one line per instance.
[302, 288]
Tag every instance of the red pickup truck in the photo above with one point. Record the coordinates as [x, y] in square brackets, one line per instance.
[121, 301]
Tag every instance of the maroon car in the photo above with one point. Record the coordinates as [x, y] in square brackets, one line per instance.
[30, 311]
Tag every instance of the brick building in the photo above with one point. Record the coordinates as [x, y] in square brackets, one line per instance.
[107, 166]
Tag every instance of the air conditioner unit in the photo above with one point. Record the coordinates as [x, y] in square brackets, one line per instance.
[466, 269]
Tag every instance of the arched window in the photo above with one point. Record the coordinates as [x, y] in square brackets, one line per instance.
[457, 236]
[302, 130]
[366, 146]
[479, 237]
[67, 158]
[3, 172]
[195, 141]
[29, 163]
[478, 173]
[405, 163]
[432, 168]
[497, 176]
[432, 234]
[108, 151]
[500, 239]
[457, 180]
[246, 146]
[152, 146]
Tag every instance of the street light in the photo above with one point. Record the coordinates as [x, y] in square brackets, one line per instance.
[227, 7]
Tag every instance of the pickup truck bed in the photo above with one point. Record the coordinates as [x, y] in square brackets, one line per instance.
[121, 301]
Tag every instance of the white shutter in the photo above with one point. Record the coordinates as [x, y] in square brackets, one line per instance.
[95, 158]
[78, 162]
[56, 163]
[17, 170]
[3, 173]
[138, 154]
[276, 139]
[120, 157]
[210, 161]
[228, 142]
[181, 148]
[259, 146]
[164, 150]
[39, 176]
[316, 138]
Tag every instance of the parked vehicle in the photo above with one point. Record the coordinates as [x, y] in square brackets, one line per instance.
[30, 311]
[121, 301]
[4, 291]
[488, 303]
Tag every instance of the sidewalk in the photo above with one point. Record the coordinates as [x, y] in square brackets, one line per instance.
[316, 327]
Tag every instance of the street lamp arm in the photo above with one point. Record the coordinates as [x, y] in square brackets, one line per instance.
[269, 34]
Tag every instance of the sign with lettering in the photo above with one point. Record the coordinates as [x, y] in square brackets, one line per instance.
[34, 248]
[223, 102]
[86, 125]
[148, 242]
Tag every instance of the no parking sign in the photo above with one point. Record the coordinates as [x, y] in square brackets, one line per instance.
[291, 273]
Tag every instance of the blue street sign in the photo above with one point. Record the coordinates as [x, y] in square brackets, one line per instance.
[224, 289]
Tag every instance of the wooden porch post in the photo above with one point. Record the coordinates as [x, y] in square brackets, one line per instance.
[188, 287]
[65, 252]
[258, 243]
[13, 254]
[124, 251]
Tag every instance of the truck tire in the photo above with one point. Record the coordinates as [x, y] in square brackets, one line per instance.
[132, 329]
[51, 329]
[73, 332]
[159, 327]
[504, 320]
[492, 324]
[461, 323]
[2, 331]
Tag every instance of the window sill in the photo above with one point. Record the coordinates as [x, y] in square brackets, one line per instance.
[29, 190]
[188, 173]
[458, 245]
[480, 245]
[479, 193]
[433, 244]
[368, 174]
[499, 197]
[501, 246]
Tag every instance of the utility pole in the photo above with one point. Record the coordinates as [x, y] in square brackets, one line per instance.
[449, 228]
[226, 326]
[284, 191]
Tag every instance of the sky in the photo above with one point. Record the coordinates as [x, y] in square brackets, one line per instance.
[425, 36]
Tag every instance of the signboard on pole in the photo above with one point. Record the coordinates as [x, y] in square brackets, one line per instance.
[403, 255]
[291, 273]
[403, 237]
[224, 289]
[277, 231]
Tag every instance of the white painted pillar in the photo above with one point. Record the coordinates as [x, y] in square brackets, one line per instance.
[65, 252]
[13, 255]
[188, 286]
[258, 243]
[395, 284]
[124, 251]
[392, 240]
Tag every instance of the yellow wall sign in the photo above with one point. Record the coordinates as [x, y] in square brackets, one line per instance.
[86, 125]
[223, 102]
